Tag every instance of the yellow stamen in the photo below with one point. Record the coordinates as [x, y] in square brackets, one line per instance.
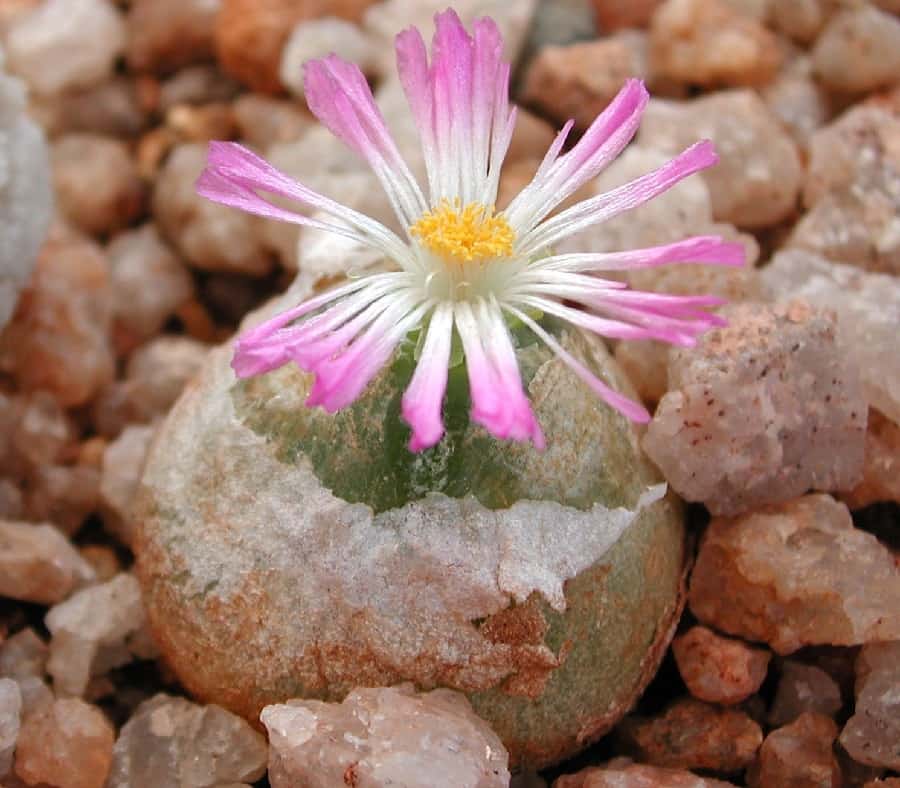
[463, 234]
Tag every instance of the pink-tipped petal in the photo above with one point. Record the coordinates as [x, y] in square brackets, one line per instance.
[627, 407]
[424, 397]
[604, 206]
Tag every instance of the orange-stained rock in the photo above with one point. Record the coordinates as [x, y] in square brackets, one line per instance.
[798, 755]
[250, 34]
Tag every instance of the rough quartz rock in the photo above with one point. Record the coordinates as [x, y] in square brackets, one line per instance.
[63, 495]
[250, 34]
[25, 193]
[760, 411]
[41, 432]
[718, 669]
[209, 236]
[881, 473]
[691, 734]
[123, 462]
[165, 35]
[851, 191]
[59, 337]
[872, 733]
[803, 688]
[10, 713]
[38, 564]
[868, 310]
[95, 630]
[149, 283]
[799, 755]
[415, 577]
[795, 575]
[758, 177]
[315, 38]
[622, 774]
[579, 80]
[383, 736]
[172, 743]
[96, 182]
[23, 655]
[49, 48]
[66, 744]
[709, 43]
[859, 50]
[798, 101]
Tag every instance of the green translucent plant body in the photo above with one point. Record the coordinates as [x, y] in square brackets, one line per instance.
[245, 639]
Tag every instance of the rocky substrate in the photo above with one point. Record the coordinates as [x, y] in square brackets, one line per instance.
[781, 431]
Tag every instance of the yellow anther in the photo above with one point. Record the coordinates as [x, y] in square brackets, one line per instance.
[463, 234]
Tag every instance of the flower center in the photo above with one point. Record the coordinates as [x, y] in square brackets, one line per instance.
[463, 234]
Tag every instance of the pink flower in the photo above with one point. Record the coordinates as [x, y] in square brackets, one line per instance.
[463, 268]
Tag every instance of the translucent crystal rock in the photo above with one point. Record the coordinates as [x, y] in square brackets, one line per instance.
[38, 563]
[798, 101]
[859, 50]
[172, 743]
[622, 774]
[63, 494]
[123, 462]
[95, 630]
[871, 734]
[149, 282]
[67, 744]
[799, 754]
[691, 734]
[718, 669]
[803, 688]
[579, 80]
[165, 35]
[96, 182]
[708, 42]
[25, 193]
[385, 736]
[758, 177]
[850, 191]
[10, 713]
[23, 655]
[794, 575]
[209, 236]
[59, 338]
[760, 411]
[881, 473]
[42, 432]
[157, 373]
[49, 49]
[467, 567]
[250, 35]
[315, 38]
[868, 310]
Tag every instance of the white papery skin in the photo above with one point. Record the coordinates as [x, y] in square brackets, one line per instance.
[463, 269]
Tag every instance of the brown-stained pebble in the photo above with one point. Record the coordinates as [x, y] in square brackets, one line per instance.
[23, 655]
[96, 181]
[796, 574]
[202, 84]
[691, 734]
[579, 80]
[263, 120]
[719, 669]
[200, 123]
[58, 339]
[710, 43]
[165, 35]
[149, 283]
[10, 719]
[63, 494]
[798, 755]
[38, 564]
[859, 50]
[803, 688]
[103, 560]
[881, 472]
[621, 773]
[67, 744]
[872, 734]
[614, 15]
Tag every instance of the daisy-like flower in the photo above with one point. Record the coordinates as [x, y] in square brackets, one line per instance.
[463, 267]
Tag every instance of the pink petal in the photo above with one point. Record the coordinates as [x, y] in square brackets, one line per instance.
[423, 399]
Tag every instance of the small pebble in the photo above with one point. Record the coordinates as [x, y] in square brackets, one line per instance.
[798, 755]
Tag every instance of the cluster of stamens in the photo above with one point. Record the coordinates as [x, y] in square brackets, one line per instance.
[463, 234]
